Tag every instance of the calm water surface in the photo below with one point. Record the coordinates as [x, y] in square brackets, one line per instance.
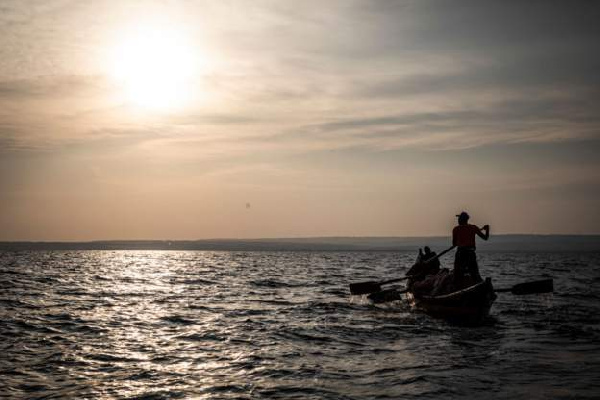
[252, 325]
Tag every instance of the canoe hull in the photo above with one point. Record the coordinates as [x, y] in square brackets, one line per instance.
[470, 305]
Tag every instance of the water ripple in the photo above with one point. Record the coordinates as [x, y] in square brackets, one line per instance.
[245, 325]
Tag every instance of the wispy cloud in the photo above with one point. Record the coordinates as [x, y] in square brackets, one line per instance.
[386, 105]
[383, 76]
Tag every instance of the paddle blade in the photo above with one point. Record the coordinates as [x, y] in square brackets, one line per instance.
[365, 287]
[386, 296]
[543, 286]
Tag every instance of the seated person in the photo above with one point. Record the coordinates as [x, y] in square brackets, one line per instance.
[430, 259]
[426, 264]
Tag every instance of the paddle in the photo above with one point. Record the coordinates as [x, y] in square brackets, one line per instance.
[543, 286]
[386, 295]
[373, 286]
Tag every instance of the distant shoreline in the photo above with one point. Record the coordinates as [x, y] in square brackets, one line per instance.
[502, 243]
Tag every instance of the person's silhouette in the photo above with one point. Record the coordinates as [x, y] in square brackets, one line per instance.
[463, 237]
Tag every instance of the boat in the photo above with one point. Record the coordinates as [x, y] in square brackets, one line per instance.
[470, 305]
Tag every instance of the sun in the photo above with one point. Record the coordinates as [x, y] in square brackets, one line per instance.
[155, 67]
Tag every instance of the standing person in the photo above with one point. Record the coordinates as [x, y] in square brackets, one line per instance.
[463, 237]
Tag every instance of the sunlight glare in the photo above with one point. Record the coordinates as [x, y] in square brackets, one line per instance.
[155, 67]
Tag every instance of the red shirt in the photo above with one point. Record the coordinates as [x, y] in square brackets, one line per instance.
[464, 235]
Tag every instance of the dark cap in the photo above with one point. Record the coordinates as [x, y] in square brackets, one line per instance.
[463, 215]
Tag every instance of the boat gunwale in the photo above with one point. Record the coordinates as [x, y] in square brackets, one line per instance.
[443, 307]
[452, 295]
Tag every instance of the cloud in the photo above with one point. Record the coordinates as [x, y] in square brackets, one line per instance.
[357, 74]
[51, 87]
[372, 108]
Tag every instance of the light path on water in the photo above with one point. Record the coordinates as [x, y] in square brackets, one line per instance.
[224, 325]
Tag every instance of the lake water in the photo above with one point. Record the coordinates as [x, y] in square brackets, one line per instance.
[282, 325]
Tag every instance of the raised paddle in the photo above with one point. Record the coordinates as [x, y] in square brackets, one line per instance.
[373, 286]
[543, 286]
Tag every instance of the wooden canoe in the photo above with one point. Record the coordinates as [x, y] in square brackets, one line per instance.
[470, 305]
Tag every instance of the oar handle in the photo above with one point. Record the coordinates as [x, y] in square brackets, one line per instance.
[369, 287]
[396, 280]
[425, 262]
[439, 255]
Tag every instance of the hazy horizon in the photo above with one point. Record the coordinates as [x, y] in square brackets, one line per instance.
[145, 120]
[501, 243]
[167, 239]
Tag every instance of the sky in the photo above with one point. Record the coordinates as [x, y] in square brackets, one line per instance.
[260, 119]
